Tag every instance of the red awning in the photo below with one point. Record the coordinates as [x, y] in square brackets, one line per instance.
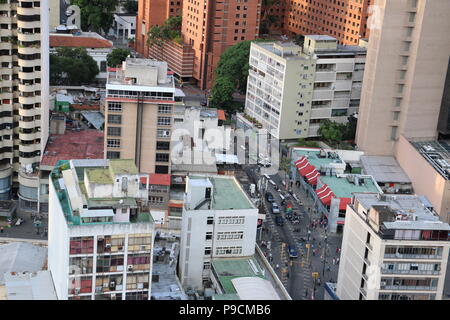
[342, 222]
[326, 195]
[306, 169]
[312, 179]
[301, 161]
[344, 202]
[321, 189]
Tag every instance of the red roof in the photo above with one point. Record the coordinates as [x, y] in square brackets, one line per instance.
[344, 202]
[86, 144]
[159, 179]
[221, 115]
[175, 205]
[76, 106]
[74, 42]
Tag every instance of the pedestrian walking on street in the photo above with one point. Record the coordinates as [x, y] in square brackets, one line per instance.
[277, 266]
[337, 261]
[334, 261]
[337, 250]
[1, 229]
[328, 268]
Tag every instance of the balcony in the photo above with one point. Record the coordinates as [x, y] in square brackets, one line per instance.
[418, 272]
[409, 288]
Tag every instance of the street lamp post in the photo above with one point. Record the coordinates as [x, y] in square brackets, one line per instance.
[325, 255]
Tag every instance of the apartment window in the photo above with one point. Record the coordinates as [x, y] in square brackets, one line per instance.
[232, 235]
[393, 133]
[206, 265]
[210, 220]
[231, 220]
[404, 60]
[396, 115]
[113, 143]
[155, 200]
[400, 88]
[163, 108]
[208, 236]
[112, 155]
[402, 74]
[114, 131]
[398, 102]
[114, 118]
[115, 106]
[228, 250]
[164, 121]
[207, 250]
[162, 157]
[162, 145]
[162, 133]
[81, 245]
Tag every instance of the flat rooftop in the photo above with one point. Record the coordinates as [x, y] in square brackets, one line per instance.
[30, 286]
[86, 144]
[229, 269]
[384, 169]
[416, 215]
[227, 193]
[437, 153]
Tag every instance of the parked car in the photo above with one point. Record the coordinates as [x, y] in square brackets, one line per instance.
[269, 197]
[293, 253]
[279, 221]
[275, 208]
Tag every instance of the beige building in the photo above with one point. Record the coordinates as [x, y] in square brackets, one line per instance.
[393, 248]
[24, 51]
[139, 107]
[427, 163]
[292, 89]
[406, 66]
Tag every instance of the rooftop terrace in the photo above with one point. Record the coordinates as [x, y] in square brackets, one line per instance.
[437, 153]
[227, 193]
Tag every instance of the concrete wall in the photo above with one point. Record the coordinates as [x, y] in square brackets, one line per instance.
[425, 179]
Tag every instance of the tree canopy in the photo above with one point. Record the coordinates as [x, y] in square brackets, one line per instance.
[72, 66]
[336, 133]
[130, 6]
[170, 30]
[96, 15]
[117, 56]
[231, 75]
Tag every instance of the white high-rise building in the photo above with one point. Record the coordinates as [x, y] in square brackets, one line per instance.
[101, 232]
[393, 248]
[292, 89]
[219, 221]
[24, 58]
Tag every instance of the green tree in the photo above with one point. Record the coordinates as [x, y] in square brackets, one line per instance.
[170, 30]
[306, 143]
[267, 19]
[332, 131]
[231, 75]
[117, 56]
[72, 66]
[96, 15]
[130, 6]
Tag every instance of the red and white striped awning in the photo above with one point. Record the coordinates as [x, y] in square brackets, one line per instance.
[325, 194]
[307, 169]
[300, 162]
[312, 178]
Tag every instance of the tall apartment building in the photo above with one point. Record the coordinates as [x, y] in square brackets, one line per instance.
[24, 57]
[153, 13]
[219, 221]
[291, 89]
[393, 248]
[346, 20]
[138, 112]
[101, 232]
[210, 27]
[406, 67]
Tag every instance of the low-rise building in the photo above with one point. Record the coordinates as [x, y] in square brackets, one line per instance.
[393, 248]
[30, 286]
[387, 173]
[97, 47]
[219, 221]
[292, 89]
[101, 231]
[325, 176]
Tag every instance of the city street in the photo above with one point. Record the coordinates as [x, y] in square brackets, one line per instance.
[297, 274]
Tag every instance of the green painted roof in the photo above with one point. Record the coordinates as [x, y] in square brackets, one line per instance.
[122, 166]
[227, 194]
[229, 269]
[341, 187]
[344, 189]
[101, 202]
[99, 176]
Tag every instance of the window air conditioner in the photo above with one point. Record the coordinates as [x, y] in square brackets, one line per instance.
[130, 267]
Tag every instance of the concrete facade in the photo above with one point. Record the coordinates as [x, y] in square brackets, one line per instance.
[393, 248]
[219, 221]
[291, 89]
[406, 66]
[100, 244]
